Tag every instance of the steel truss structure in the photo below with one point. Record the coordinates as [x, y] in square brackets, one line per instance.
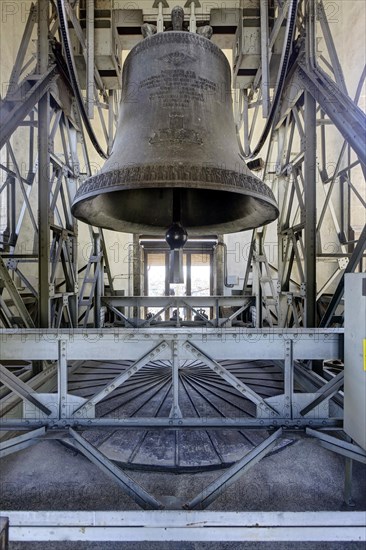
[313, 95]
[144, 345]
[38, 108]
[310, 93]
[43, 413]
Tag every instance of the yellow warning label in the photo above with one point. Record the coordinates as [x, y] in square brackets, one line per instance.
[364, 354]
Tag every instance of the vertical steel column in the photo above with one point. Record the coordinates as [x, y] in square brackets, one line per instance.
[310, 175]
[348, 475]
[246, 122]
[189, 282]
[192, 18]
[219, 253]
[310, 210]
[73, 239]
[288, 378]
[62, 379]
[257, 277]
[264, 57]
[160, 17]
[90, 57]
[98, 274]
[175, 410]
[281, 199]
[136, 272]
[43, 174]
[110, 120]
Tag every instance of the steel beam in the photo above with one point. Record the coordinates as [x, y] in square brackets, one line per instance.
[265, 53]
[62, 379]
[210, 493]
[119, 380]
[242, 388]
[351, 266]
[329, 389]
[310, 210]
[339, 446]
[288, 366]
[222, 344]
[174, 301]
[175, 364]
[193, 526]
[43, 173]
[173, 423]
[14, 295]
[21, 442]
[341, 109]
[133, 489]
[12, 116]
[26, 38]
[99, 276]
[20, 388]
[90, 58]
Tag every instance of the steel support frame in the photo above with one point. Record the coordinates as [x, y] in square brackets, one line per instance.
[208, 345]
[191, 304]
[310, 178]
[293, 173]
[57, 247]
[270, 528]
[45, 112]
[296, 316]
[43, 172]
[65, 413]
[56, 173]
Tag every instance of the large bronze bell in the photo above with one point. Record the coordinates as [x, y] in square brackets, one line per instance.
[175, 147]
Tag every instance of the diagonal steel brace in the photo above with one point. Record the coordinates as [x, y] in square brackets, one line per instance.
[21, 442]
[119, 380]
[214, 490]
[20, 388]
[325, 392]
[133, 489]
[230, 378]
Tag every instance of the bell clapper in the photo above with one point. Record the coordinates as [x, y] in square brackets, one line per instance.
[176, 237]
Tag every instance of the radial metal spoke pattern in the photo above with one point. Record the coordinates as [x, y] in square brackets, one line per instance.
[202, 394]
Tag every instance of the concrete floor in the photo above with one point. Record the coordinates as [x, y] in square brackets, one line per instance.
[301, 477]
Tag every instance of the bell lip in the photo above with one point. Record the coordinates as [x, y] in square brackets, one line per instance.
[110, 183]
[182, 176]
[166, 185]
[235, 226]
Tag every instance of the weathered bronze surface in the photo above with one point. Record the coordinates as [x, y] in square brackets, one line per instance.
[176, 130]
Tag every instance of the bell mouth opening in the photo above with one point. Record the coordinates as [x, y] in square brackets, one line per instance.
[150, 210]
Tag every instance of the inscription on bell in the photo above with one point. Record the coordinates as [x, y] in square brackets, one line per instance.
[176, 133]
[178, 87]
[177, 58]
